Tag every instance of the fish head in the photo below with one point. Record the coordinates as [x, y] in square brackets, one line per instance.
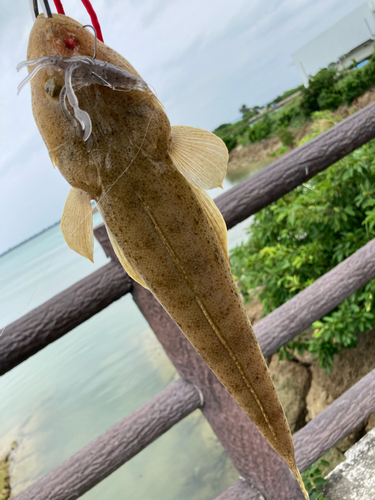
[63, 37]
[120, 120]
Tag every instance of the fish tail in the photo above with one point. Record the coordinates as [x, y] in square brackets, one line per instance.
[298, 476]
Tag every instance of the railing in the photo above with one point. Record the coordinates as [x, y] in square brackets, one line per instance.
[263, 473]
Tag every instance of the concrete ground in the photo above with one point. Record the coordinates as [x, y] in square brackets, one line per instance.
[354, 479]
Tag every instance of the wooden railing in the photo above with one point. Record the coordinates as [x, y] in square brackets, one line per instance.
[263, 473]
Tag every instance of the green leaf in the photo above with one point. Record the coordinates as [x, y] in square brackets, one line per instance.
[303, 235]
[316, 495]
[318, 481]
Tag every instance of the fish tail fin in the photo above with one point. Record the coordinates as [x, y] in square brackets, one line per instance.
[298, 476]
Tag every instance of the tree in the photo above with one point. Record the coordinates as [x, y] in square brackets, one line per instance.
[325, 80]
[244, 110]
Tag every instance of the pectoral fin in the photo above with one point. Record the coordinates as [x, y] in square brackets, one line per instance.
[124, 261]
[216, 219]
[77, 224]
[199, 155]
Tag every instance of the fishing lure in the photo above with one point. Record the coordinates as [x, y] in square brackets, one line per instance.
[81, 71]
[148, 180]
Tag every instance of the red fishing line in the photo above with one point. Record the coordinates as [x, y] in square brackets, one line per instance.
[90, 11]
[94, 19]
[59, 7]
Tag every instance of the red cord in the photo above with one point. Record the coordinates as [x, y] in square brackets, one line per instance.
[90, 11]
[94, 19]
[59, 7]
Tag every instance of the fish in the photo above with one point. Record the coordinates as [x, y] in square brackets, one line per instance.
[113, 143]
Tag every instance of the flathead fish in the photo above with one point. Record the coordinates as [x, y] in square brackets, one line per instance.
[110, 138]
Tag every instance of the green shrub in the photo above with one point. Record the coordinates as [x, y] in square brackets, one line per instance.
[314, 480]
[244, 110]
[286, 137]
[230, 142]
[281, 151]
[222, 127]
[368, 72]
[273, 122]
[326, 91]
[298, 120]
[352, 86]
[224, 130]
[261, 129]
[284, 96]
[328, 88]
[300, 237]
[322, 121]
[287, 114]
[324, 80]
[329, 100]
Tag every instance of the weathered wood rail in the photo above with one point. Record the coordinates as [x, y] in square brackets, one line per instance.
[59, 315]
[263, 473]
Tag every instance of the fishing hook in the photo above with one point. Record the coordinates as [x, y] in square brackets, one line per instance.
[96, 37]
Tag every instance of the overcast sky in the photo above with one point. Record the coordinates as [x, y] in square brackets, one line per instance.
[204, 58]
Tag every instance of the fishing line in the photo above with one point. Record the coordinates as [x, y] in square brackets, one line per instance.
[59, 7]
[94, 18]
[35, 9]
[90, 10]
[46, 8]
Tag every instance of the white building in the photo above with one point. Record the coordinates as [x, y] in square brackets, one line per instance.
[350, 38]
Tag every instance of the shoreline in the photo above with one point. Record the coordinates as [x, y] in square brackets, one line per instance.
[5, 487]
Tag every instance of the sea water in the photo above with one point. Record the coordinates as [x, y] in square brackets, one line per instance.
[66, 395]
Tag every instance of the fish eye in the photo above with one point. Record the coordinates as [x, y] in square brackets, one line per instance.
[52, 88]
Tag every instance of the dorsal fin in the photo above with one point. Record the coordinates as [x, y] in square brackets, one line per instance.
[124, 261]
[199, 155]
[216, 219]
[77, 224]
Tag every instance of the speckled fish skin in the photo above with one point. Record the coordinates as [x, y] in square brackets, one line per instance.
[157, 220]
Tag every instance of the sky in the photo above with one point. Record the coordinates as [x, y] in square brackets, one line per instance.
[204, 59]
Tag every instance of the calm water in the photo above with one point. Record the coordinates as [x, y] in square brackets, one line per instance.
[66, 395]
[243, 173]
